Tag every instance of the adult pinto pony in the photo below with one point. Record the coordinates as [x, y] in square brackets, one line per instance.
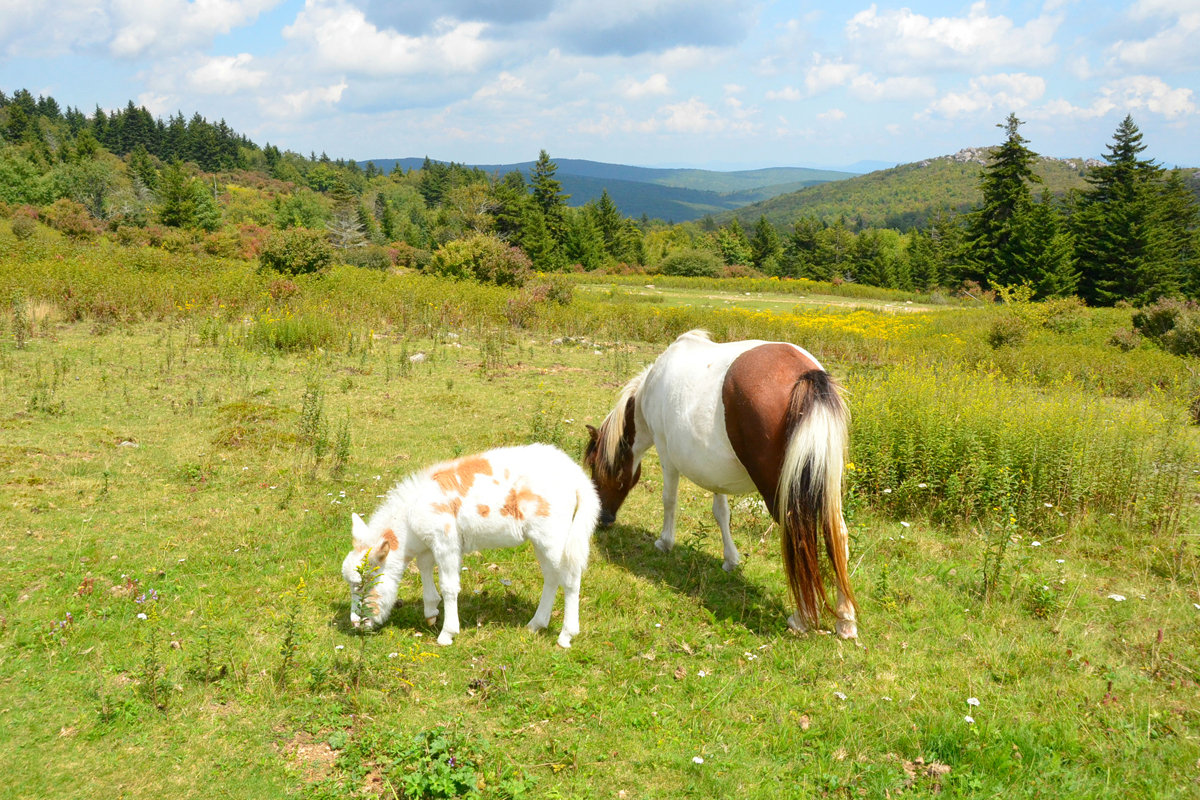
[734, 418]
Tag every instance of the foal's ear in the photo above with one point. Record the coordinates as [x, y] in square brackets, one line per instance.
[595, 434]
[359, 531]
[381, 552]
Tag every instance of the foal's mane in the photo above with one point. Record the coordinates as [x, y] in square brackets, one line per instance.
[612, 430]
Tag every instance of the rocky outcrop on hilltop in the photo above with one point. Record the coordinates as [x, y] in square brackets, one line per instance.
[980, 155]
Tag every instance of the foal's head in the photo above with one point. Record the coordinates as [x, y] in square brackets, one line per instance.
[609, 455]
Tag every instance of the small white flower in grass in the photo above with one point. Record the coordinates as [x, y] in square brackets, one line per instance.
[922, 485]
[885, 697]
[1117, 597]
[973, 701]
[658, 624]
[905, 524]
[1048, 505]
[969, 719]
[418, 635]
[1035, 544]
[1060, 561]
[340, 647]
[887, 491]
[702, 673]
[378, 477]
[141, 616]
[245, 468]
[697, 760]
[1196, 606]
[839, 695]
[392, 655]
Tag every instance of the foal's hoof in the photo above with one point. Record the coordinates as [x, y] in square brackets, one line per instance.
[431, 620]
[796, 623]
[662, 545]
[730, 566]
[534, 626]
[846, 628]
[445, 639]
[564, 641]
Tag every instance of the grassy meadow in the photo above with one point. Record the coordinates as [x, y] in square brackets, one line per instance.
[184, 439]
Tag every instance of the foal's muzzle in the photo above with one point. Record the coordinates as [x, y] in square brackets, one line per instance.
[607, 518]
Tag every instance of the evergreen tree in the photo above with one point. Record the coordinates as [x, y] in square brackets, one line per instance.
[611, 224]
[1044, 251]
[584, 241]
[1180, 218]
[205, 213]
[923, 267]
[835, 247]
[1121, 242]
[142, 167]
[733, 244]
[873, 264]
[548, 195]
[800, 250]
[991, 250]
[509, 198]
[176, 198]
[537, 241]
[765, 250]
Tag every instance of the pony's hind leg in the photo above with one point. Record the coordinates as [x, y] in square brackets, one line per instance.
[428, 587]
[721, 515]
[570, 626]
[670, 501]
[846, 624]
[550, 579]
[448, 568]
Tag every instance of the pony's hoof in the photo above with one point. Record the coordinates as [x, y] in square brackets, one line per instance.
[662, 546]
[797, 624]
[534, 626]
[846, 628]
[564, 641]
[730, 566]
[431, 620]
[445, 639]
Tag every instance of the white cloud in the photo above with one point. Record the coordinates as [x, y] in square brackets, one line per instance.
[1172, 47]
[505, 83]
[226, 75]
[299, 104]
[1063, 109]
[832, 115]
[786, 93]
[156, 104]
[1151, 93]
[911, 42]
[901, 87]
[987, 93]
[892, 128]
[656, 84]
[342, 39]
[165, 26]
[733, 88]
[824, 75]
[691, 116]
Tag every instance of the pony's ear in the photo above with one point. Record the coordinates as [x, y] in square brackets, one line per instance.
[381, 552]
[595, 434]
[359, 531]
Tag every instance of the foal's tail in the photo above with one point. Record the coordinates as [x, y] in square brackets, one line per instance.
[810, 491]
[579, 536]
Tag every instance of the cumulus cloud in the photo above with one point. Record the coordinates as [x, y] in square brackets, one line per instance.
[832, 115]
[867, 87]
[226, 75]
[505, 84]
[656, 84]
[1152, 94]
[691, 116]
[912, 42]
[302, 103]
[342, 38]
[989, 93]
[824, 75]
[786, 93]
[1173, 46]
[632, 27]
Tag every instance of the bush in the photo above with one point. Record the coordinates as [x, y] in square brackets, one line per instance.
[1173, 325]
[692, 264]
[23, 226]
[1006, 330]
[297, 251]
[370, 257]
[740, 271]
[483, 258]
[1125, 340]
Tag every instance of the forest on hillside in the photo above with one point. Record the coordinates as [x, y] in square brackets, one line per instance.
[1121, 230]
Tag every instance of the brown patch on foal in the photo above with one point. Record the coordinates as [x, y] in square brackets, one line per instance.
[483, 510]
[389, 536]
[757, 393]
[450, 507]
[459, 476]
[515, 505]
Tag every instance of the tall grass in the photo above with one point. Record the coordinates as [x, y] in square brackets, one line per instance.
[798, 286]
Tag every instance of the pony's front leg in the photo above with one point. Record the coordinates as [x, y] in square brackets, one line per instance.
[541, 617]
[449, 566]
[721, 515]
[428, 587]
[670, 502]
[570, 627]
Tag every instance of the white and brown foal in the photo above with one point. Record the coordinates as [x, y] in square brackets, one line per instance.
[735, 418]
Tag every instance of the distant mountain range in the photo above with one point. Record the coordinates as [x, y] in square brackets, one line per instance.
[669, 194]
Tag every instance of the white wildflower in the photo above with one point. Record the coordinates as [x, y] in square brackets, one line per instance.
[340, 647]
[141, 616]
[697, 760]
[392, 655]
[969, 719]
[1035, 544]
[906, 524]
[839, 695]
[922, 485]
[1048, 505]
[1117, 597]
[887, 491]
[973, 701]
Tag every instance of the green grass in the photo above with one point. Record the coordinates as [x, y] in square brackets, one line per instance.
[1083, 702]
[173, 427]
[672, 297]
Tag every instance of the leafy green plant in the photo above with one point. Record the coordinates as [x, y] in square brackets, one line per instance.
[483, 258]
[692, 264]
[296, 251]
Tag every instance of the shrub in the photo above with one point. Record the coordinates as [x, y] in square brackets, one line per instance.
[5, 210]
[1172, 324]
[23, 226]
[1125, 339]
[1006, 330]
[483, 258]
[740, 271]
[692, 264]
[297, 251]
[369, 257]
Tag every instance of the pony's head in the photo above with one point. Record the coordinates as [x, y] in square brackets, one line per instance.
[361, 569]
[609, 455]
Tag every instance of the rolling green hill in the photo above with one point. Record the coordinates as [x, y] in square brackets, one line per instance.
[903, 197]
[669, 194]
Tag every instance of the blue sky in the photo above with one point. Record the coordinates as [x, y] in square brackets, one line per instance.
[654, 82]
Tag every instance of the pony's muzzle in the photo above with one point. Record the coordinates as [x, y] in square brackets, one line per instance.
[607, 518]
[355, 619]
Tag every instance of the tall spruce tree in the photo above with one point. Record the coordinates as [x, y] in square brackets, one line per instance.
[765, 249]
[1180, 217]
[1121, 243]
[991, 248]
[548, 195]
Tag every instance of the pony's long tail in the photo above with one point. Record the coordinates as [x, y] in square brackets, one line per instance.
[810, 491]
[579, 536]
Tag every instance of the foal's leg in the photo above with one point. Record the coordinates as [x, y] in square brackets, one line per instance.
[670, 501]
[721, 515]
[428, 587]
[846, 626]
[449, 565]
[550, 575]
[570, 628]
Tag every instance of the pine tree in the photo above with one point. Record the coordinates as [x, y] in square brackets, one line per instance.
[611, 224]
[990, 245]
[548, 195]
[205, 213]
[733, 244]
[1180, 217]
[765, 250]
[873, 265]
[584, 241]
[921, 254]
[800, 250]
[176, 199]
[142, 167]
[1121, 243]
[1044, 251]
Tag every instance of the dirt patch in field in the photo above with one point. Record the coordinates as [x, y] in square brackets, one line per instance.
[314, 758]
